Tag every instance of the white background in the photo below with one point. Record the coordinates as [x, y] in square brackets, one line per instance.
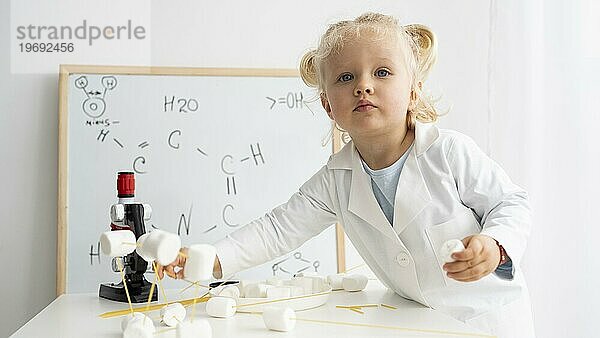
[521, 78]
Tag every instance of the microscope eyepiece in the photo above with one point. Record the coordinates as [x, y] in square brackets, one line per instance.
[125, 184]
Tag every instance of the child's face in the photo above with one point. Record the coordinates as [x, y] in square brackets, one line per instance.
[367, 87]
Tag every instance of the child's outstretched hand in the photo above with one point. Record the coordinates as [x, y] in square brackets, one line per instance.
[480, 257]
[169, 270]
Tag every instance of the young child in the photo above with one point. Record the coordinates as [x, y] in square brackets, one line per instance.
[401, 187]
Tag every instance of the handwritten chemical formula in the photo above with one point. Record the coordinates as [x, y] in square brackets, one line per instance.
[205, 156]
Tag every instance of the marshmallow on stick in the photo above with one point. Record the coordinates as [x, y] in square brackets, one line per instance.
[279, 319]
[220, 307]
[172, 314]
[159, 245]
[117, 243]
[137, 326]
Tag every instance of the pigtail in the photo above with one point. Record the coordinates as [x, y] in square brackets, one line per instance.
[308, 69]
[426, 48]
[425, 52]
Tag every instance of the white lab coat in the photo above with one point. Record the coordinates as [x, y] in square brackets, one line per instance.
[448, 189]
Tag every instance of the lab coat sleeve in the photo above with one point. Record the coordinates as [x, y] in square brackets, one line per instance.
[484, 187]
[306, 214]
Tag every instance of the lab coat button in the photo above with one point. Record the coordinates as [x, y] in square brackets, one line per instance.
[403, 259]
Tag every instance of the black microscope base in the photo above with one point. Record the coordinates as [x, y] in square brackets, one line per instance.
[138, 293]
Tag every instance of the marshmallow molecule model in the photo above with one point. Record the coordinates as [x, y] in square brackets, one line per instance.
[162, 247]
[298, 293]
[450, 247]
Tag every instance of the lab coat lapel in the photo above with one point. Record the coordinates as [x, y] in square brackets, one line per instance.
[412, 195]
[362, 201]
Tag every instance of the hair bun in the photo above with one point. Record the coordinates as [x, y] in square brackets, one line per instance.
[308, 70]
[426, 44]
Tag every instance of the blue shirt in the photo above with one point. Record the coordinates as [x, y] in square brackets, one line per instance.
[384, 183]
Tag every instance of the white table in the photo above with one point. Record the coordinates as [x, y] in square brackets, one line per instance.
[76, 315]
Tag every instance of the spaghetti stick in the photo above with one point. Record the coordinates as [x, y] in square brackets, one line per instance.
[151, 291]
[204, 286]
[389, 306]
[191, 284]
[142, 309]
[283, 299]
[125, 286]
[356, 306]
[159, 283]
[389, 327]
[194, 304]
[356, 310]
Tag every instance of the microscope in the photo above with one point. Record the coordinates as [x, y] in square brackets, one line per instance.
[129, 215]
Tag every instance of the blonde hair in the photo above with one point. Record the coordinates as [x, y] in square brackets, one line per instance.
[419, 38]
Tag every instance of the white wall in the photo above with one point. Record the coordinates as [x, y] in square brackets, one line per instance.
[267, 34]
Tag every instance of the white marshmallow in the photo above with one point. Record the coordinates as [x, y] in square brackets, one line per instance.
[243, 284]
[117, 243]
[130, 317]
[230, 291]
[199, 328]
[221, 307]
[137, 330]
[450, 247]
[279, 292]
[257, 290]
[168, 248]
[159, 245]
[172, 314]
[318, 283]
[200, 261]
[354, 282]
[141, 249]
[275, 281]
[335, 281]
[279, 319]
[295, 291]
[138, 327]
[305, 283]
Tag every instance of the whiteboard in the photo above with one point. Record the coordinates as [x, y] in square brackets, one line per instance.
[211, 151]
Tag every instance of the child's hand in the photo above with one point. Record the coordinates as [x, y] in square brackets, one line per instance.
[170, 269]
[480, 257]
